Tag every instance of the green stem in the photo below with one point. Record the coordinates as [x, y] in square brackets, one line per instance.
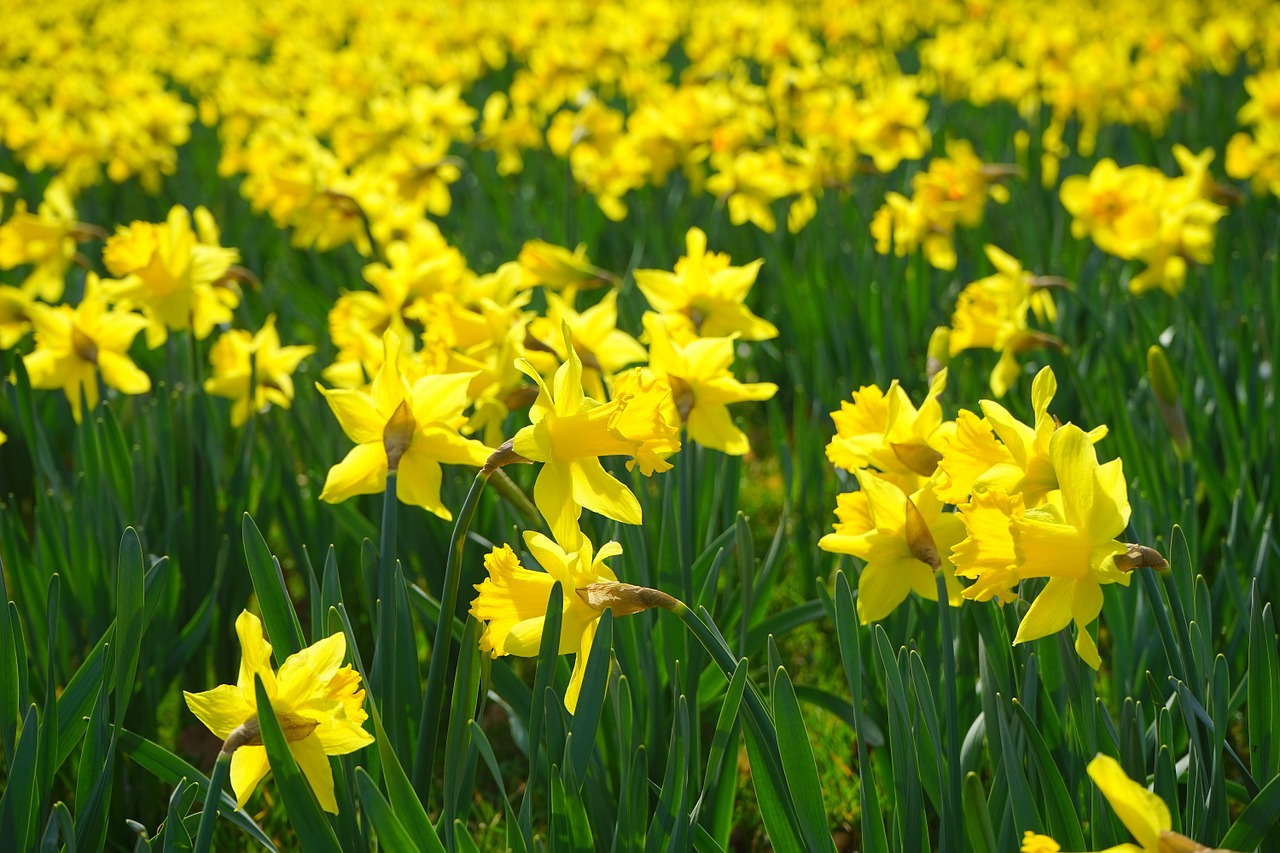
[209, 817]
[429, 726]
[384, 653]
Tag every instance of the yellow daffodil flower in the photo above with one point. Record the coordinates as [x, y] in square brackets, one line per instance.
[254, 370]
[45, 240]
[512, 601]
[173, 273]
[884, 430]
[1070, 539]
[74, 345]
[570, 432]
[707, 293]
[556, 268]
[905, 541]
[316, 699]
[702, 386]
[410, 430]
[1034, 842]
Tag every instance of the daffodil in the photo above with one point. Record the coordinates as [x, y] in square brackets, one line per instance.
[409, 430]
[45, 240]
[14, 320]
[512, 601]
[884, 430]
[571, 431]
[702, 386]
[173, 273]
[254, 370]
[1029, 469]
[1069, 539]
[905, 541]
[707, 293]
[74, 345]
[317, 701]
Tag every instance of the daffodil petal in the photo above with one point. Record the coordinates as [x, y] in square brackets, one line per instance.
[315, 766]
[580, 666]
[1049, 613]
[356, 414]
[221, 709]
[418, 482]
[362, 472]
[304, 670]
[255, 655]
[122, 374]
[248, 765]
[1144, 814]
[597, 490]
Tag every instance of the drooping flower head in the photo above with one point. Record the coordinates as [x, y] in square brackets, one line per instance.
[317, 701]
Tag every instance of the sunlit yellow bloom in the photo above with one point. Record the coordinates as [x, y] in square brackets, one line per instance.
[1142, 812]
[45, 240]
[173, 273]
[570, 432]
[410, 430]
[904, 540]
[884, 430]
[512, 601]
[254, 370]
[1029, 470]
[702, 385]
[317, 701]
[74, 345]
[707, 292]
[968, 452]
[1069, 539]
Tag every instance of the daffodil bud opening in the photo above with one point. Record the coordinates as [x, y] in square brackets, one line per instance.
[1165, 387]
[1140, 557]
[504, 455]
[397, 434]
[249, 733]
[624, 598]
[939, 351]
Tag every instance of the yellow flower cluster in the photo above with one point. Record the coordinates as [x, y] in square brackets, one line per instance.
[952, 192]
[1139, 213]
[1255, 154]
[1032, 502]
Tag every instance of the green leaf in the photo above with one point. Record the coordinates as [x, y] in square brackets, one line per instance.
[982, 838]
[392, 836]
[127, 645]
[1256, 821]
[516, 841]
[305, 816]
[1263, 680]
[21, 797]
[670, 816]
[175, 836]
[95, 779]
[586, 717]
[799, 764]
[171, 770]
[1064, 824]
[278, 616]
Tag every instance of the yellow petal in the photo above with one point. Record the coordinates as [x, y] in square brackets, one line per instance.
[712, 426]
[1050, 612]
[553, 495]
[356, 414]
[305, 674]
[315, 766]
[883, 586]
[583, 653]
[595, 489]
[510, 595]
[418, 482]
[362, 472]
[248, 765]
[119, 372]
[220, 709]
[1144, 813]
[255, 656]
